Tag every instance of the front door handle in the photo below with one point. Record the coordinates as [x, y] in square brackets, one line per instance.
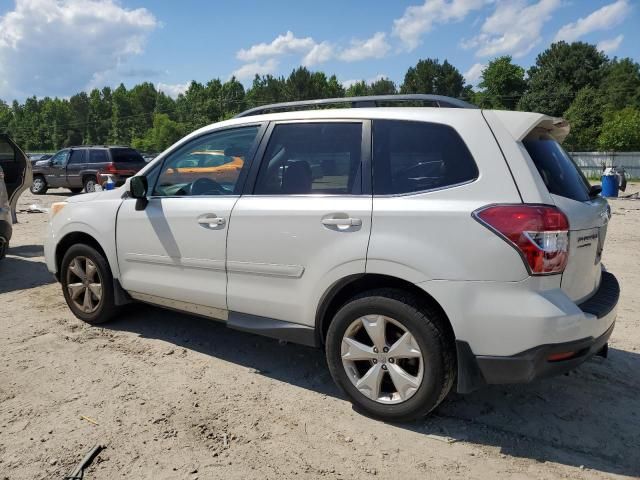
[342, 222]
[211, 221]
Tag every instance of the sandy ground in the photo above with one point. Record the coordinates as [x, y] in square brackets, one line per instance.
[173, 396]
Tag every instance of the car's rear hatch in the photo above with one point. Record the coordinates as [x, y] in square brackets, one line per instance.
[588, 214]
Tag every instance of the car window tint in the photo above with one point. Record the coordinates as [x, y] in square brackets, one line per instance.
[98, 156]
[7, 154]
[212, 164]
[558, 171]
[126, 155]
[418, 156]
[77, 156]
[312, 158]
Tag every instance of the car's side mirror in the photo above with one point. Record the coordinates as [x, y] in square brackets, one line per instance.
[138, 187]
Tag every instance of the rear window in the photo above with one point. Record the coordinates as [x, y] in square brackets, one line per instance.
[126, 155]
[558, 171]
[418, 156]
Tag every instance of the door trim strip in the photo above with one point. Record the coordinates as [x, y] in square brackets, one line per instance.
[267, 269]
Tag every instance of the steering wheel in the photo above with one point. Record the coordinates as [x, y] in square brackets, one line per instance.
[206, 186]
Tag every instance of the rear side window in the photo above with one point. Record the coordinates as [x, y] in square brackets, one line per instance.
[558, 171]
[418, 156]
[312, 158]
[98, 156]
[7, 154]
[126, 155]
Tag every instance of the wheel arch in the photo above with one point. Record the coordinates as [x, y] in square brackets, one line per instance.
[74, 238]
[344, 289]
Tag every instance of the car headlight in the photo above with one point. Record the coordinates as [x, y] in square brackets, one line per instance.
[56, 207]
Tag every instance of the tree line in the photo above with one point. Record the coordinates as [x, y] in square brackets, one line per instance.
[599, 96]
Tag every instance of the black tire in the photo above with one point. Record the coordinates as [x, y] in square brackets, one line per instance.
[76, 190]
[106, 308]
[4, 246]
[39, 185]
[89, 184]
[425, 323]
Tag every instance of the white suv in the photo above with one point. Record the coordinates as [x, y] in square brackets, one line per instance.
[421, 247]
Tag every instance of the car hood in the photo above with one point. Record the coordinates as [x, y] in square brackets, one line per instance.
[105, 195]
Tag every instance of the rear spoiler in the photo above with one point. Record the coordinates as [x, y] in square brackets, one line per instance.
[520, 124]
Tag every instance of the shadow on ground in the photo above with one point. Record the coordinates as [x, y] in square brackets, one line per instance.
[17, 273]
[590, 417]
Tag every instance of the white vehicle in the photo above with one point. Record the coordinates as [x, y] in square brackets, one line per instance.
[421, 247]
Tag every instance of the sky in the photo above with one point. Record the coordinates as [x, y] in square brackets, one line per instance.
[61, 47]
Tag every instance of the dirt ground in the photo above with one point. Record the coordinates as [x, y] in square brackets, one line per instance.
[174, 396]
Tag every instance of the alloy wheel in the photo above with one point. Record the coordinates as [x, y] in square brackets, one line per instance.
[84, 284]
[382, 359]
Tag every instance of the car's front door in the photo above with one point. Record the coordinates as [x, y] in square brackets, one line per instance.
[173, 251]
[56, 172]
[75, 166]
[305, 224]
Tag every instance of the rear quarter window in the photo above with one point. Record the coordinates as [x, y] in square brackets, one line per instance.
[558, 171]
[418, 156]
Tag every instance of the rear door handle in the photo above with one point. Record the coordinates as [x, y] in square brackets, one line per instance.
[211, 220]
[342, 222]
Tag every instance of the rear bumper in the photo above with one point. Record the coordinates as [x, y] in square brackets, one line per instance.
[474, 371]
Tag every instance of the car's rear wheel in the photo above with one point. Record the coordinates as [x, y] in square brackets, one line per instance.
[4, 246]
[39, 185]
[391, 355]
[87, 284]
[89, 184]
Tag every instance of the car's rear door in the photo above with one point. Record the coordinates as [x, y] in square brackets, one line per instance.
[306, 222]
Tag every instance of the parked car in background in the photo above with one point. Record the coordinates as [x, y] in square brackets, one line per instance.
[422, 248]
[15, 177]
[77, 168]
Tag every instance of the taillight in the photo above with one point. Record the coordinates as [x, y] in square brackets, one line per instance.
[110, 168]
[539, 232]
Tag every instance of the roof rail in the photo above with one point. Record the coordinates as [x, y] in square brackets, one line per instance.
[361, 102]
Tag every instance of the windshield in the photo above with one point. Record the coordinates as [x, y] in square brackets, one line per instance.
[558, 171]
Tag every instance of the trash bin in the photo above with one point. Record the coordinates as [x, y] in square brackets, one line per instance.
[610, 181]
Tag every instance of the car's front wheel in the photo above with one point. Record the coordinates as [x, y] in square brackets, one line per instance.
[87, 284]
[391, 355]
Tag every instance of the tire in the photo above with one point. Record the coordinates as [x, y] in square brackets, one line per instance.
[4, 246]
[89, 184]
[78, 257]
[403, 313]
[76, 190]
[39, 185]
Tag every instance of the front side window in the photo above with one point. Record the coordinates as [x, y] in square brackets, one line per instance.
[77, 156]
[417, 156]
[60, 158]
[312, 158]
[213, 164]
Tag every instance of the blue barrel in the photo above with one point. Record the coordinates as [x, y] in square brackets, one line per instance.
[609, 185]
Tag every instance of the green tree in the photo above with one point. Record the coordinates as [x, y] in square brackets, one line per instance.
[382, 86]
[559, 73]
[358, 89]
[621, 131]
[585, 118]
[5, 116]
[163, 134]
[429, 76]
[502, 83]
[121, 117]
[620, 85]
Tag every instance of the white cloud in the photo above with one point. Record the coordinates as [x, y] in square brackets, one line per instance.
[374, 47]
[249, 70]
[419, 19]
[610, 45]
[514, 28]
[57, 47]
[602, 19]
[281, 45]
[173, 89]
[320, 53]
[472, 76]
